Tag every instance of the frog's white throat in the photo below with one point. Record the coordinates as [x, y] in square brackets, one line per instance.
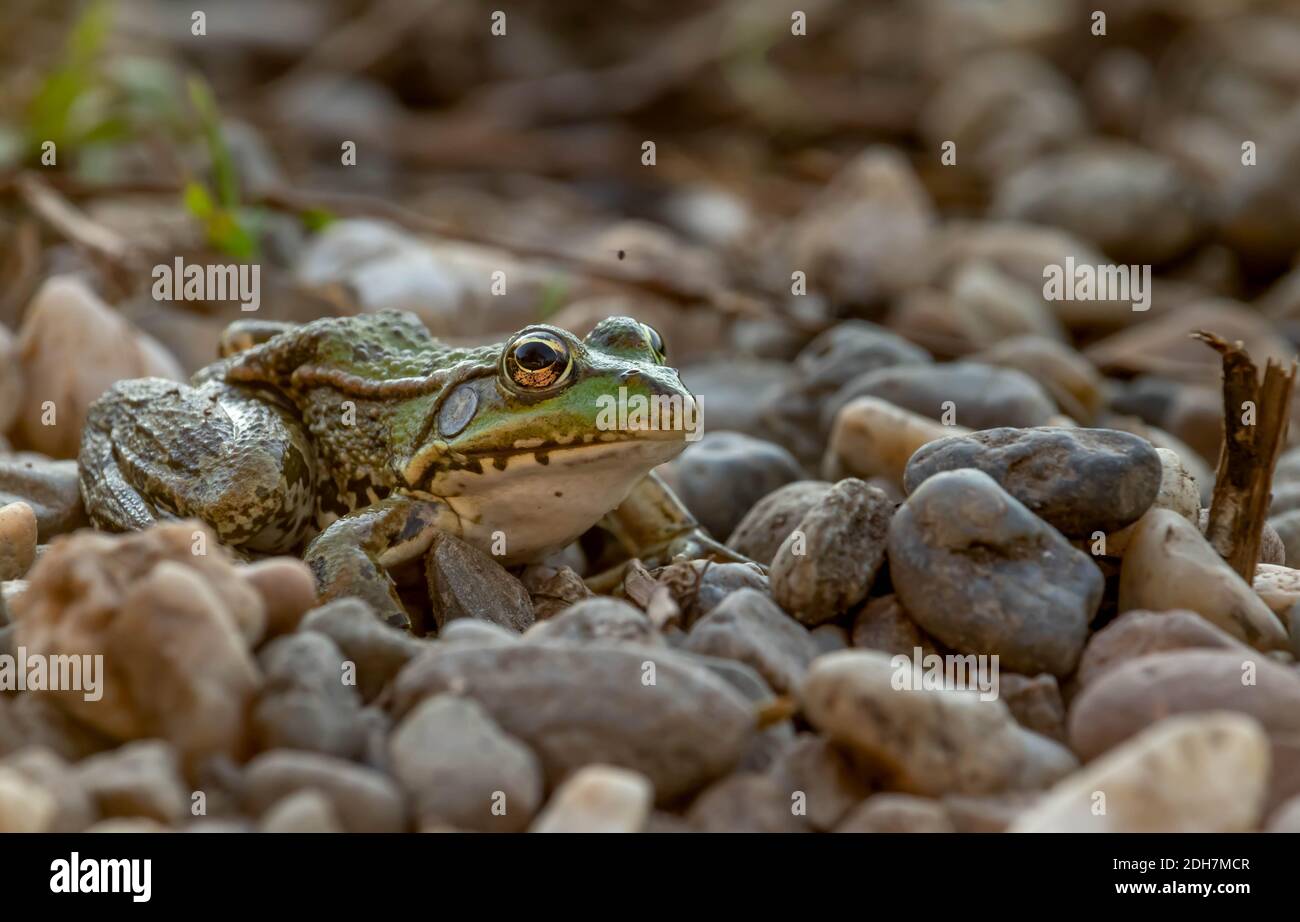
[531, 508]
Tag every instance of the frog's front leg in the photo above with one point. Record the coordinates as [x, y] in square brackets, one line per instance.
[653, 525]
[352, 556]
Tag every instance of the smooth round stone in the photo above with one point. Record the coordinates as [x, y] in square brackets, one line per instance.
[1078, 480]
[1195, 773]
[1124, 700]
[724, 474]
[1169, 564]
[749, 627]
[852, 348]
[1136, 205]
[761, 532]
[17, 540]
[897, 813]
[1138, 633]
[874, 438]
[1071, 380]
[926, 741]
[599, 798]
[50, 487]
[978, 396]
[982, 574]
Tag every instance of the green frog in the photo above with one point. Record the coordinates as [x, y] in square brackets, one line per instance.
[360, 438]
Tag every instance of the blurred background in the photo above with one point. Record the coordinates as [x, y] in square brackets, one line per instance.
[817, 166]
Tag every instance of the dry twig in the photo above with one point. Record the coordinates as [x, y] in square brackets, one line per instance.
[1255, 418]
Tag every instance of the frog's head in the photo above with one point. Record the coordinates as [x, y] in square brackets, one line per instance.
[561, 430]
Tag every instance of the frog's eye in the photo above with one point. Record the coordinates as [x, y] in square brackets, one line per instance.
[538, 360]
[656, 342]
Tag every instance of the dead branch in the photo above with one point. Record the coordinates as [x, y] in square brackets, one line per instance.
[1255, 418]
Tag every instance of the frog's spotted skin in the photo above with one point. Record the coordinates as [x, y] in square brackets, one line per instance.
[369, 429]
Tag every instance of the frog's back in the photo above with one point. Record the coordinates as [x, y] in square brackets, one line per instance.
[359, 355]
[367, 389]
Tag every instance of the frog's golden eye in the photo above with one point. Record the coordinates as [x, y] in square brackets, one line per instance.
[538, 360]
[656, 341]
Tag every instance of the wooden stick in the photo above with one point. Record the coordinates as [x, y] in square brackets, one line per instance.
[1255, 418]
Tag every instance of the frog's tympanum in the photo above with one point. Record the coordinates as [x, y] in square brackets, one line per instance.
[360, 437]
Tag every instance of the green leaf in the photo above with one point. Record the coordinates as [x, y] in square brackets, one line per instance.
[223, 165]
[197, 200]
[317, 219]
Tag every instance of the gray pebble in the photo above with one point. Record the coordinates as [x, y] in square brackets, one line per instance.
[982, 574]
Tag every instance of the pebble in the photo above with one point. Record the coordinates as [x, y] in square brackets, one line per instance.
[37, 720]
[553, 589]
[175, 626]
[599, 799]
[574, 705]
[967, 394]
[364, 800]
[1129, 697]
[1193, 773]
[897, 813]
[377, 649]
[474, 633]
[1136, 205]
[827, 564]
[698, 586]
[287, 588]
[988, 813]
[1271, 549]
[722, 475]
[1168, 564]
[73, 347]
[11, 380]
[858, 238]
[307, 699]
[981, 573]
[458, 767]
[763, 529]
[825, 776]
[600, 619]
[1078, 480]
[76, 809]
[306, 811]
[1069, 378]
[747, 803]
[25, 805]
[749, 627]
[1179, 492]
[1285, 818]
[140, 779]
[1138, 633]
[1279, 589]
[1003, 109]
[883, 624]
[465, 582]
[50, 487]
[1035, 702]
[17, 540]
[850, 349]
[874, 438]
[925, 741]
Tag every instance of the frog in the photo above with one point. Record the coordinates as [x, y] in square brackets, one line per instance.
[354, 441]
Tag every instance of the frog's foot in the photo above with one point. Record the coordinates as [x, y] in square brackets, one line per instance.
[351, 557]
[654, 526]
[155, 450]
